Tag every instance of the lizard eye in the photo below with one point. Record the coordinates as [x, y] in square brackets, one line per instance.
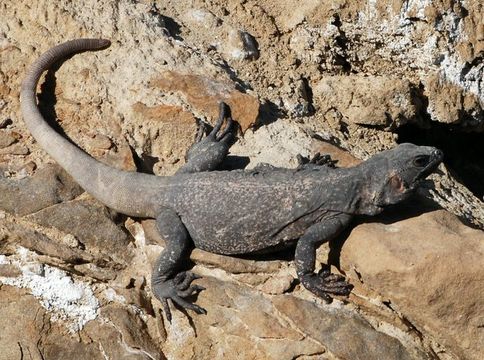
[421, 160]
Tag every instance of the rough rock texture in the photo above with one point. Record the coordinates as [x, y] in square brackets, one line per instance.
[74, 275]
[352, 98]
[441, 267]
[48, 186]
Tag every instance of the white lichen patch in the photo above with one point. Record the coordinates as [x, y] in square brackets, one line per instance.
[112, 296]
[66, 299]
[451, 69]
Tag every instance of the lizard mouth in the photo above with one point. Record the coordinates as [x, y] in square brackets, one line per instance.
[435, 159]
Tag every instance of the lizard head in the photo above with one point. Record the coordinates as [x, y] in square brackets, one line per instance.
[396, 173]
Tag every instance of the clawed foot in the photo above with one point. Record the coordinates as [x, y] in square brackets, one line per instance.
[317, 159]
[177, 289]
[226, 134]
[325, 283]
[215, 145]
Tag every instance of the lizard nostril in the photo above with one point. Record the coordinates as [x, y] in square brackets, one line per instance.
[438, 154]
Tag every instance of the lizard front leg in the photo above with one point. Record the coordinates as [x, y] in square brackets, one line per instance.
[167, 282]
[324, 283]
[206, 154]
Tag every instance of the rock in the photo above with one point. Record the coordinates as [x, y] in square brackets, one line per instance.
[27, 169]
[90, 223]
[27, 322]
[449, 193]
[383, 102]
[277, 144]
[126, 336]
[166, 70]
[345, 335]
[102, 273]
[9, 270]
[288, 16]
[244, 322]
[204, 94]
[453, 105]
[233, 264]
[5, 122]
[31, 330]
[298, 102]
[429, 268]
[48, 186]
[100, 141]
[344, 158]
[164, 134]
[241, 46]
[21, 234]
[202, 17]
[240, 322]
[15, 149]
[119, 156]
[7, 139]
[277, 285]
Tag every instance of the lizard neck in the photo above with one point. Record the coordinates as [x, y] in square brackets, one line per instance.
[351, 193]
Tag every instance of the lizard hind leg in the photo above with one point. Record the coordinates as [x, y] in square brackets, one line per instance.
[167, 281]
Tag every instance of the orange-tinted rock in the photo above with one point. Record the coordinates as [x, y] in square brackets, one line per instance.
[344, 158]
[204, 94]
[164, 133]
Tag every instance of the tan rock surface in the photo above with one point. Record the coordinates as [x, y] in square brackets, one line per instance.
[353, 97]
[429, 268]
[47, 187]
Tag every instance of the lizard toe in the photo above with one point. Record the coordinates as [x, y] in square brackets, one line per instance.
[340, 289]
[322, 294]
[188, 305]
[194, 289]
[336, 287]
[330, 277]
[176, 289]
[183, 282]
[322, 287]
[166, 309]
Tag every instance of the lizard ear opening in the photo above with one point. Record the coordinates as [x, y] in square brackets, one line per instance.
[397, 184]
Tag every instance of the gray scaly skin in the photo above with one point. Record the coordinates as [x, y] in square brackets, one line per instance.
[234, 212]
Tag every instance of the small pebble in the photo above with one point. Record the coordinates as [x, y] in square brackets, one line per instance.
[71, 241]
[6, 139]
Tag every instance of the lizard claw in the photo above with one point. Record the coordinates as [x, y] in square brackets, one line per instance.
[325, 283]
[177, 289]
[317, 159]
[217, 142]
[226, 134]
[201, 130]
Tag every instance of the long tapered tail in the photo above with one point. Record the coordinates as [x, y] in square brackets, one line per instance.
[111, 186]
